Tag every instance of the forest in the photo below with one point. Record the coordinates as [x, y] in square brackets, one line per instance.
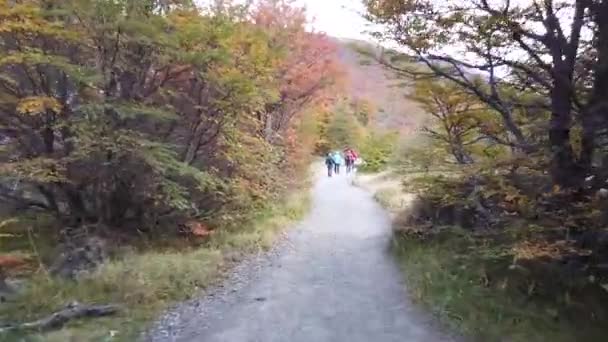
[149, 125]
[131, 112]
[147, 146]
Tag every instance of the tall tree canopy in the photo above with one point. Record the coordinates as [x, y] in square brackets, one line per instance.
[550, 48]
[122, 111]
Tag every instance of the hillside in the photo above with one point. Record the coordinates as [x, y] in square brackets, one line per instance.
[369, 80]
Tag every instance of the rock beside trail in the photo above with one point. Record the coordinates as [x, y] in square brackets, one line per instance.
[10, 288]
[77, 259]
[6, 291]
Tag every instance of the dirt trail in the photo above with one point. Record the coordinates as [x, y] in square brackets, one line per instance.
[330, 279]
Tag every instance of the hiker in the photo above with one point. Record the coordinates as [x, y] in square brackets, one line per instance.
[347, 159]
[350, 156]
[350, 159]
[338, 160]
[329, 162]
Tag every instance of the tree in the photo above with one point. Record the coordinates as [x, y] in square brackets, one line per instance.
[78, 107]
[537, 47]
[364, 110]
[378, 148]
[594, 116]
[309, 69]
[457, 117]
[344, 130]
[125, 113]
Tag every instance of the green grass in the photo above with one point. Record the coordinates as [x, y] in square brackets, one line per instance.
[467, 281]
[468, 285]
[147, 283]
[385, 197]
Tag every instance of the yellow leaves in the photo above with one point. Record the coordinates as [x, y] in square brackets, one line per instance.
[526, 250]
[27, 19]
[510, 197]
[38, 170]
[576, 138]
[35, 105]
[11, 59]
[182, 18]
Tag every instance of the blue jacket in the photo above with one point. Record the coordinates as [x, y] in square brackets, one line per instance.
[338, 160]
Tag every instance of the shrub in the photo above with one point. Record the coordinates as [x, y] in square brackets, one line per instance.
[377, 149]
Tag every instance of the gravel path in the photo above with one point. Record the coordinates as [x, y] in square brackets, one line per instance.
[330, 279]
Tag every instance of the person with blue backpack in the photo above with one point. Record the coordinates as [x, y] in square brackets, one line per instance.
[338, 160]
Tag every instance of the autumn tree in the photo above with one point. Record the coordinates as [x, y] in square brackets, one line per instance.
[456, 117]
[79, 106]
[323, 119]
[541, 47]
[309, 69]
[129, 113]
[344, 129]
[364, 110]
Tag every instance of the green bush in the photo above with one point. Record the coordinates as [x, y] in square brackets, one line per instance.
[378, 150]
[344, 130]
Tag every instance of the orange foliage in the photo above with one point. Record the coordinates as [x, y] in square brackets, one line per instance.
[198, 229]
[309, 78]
[12, 263]
[310, 73]
[543, 249]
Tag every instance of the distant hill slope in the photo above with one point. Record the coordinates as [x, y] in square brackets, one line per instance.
[369, 80]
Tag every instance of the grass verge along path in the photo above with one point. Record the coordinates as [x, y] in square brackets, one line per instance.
[147, 283]
[469, 282]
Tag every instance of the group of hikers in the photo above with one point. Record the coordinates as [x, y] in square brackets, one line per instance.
[335, 159]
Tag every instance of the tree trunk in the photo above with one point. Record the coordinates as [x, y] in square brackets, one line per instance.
[191, 151]
[76, 204]
[459, 153]
[48, 135]
[49, 196]
[268, 122]
[194, 143]
[563, 165]
[595, 113]
[521, 141]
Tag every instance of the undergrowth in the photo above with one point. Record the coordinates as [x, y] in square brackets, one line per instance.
[469, 284]
[148, 282]
[523, 280]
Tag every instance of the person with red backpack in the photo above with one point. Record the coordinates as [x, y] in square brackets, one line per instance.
[350, 155]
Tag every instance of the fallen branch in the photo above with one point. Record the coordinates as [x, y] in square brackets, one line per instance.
[60, 318]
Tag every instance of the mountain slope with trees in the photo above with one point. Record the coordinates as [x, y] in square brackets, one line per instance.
[371, 82]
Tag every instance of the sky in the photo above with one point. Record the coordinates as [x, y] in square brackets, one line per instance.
[337, 18]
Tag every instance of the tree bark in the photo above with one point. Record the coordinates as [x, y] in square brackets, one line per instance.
[594, 115]
[49, 196]
[563, 164]
[268, 124]
[76, 204]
